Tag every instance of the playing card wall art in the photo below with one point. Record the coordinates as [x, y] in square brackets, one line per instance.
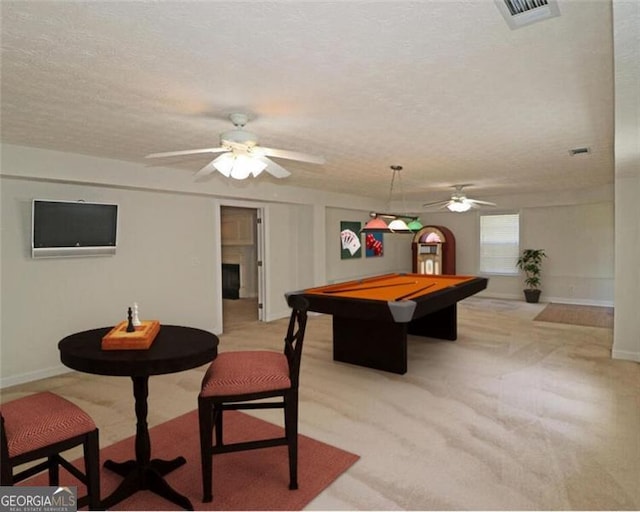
[350, 244]
[374, 245]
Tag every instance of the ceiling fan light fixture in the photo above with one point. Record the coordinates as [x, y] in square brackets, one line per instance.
[242, 157]
[459, 206]
[224, 164]
[238, 167]
[459, 202]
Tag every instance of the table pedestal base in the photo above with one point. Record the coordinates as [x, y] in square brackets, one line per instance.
[144, 473]
[145, 477]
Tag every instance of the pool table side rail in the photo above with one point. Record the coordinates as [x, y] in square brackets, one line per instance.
[449, 296]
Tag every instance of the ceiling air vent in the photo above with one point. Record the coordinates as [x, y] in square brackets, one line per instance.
[519, 13]
[579, 151]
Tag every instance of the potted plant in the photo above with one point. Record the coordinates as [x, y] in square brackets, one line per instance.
[530, 262]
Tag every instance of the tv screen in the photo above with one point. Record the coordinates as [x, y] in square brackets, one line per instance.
[66, 228]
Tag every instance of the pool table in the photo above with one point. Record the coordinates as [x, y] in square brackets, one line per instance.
[372, 316]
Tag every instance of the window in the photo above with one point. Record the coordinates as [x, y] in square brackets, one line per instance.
[499, 243]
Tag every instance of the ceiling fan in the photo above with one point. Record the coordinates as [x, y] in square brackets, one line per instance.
[241, 155]
[459, 202]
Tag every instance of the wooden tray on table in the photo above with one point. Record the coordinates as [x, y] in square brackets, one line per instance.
[141, 339]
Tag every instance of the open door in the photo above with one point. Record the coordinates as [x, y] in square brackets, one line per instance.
[242, 250]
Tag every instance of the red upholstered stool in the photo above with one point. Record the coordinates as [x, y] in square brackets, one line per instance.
[42, 426]
[235, 378]
[242, 373]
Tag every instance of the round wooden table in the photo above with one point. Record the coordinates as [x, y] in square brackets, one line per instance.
[174, 349]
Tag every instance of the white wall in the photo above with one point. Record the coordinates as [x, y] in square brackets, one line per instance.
[626, 342]
[168, 258]
[582, 272]
[290, 247]
[164, 261]
[577, 238]
[626, 332]
[169, 261]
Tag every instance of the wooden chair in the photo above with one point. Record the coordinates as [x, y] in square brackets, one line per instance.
[42, 426]
[235, 378]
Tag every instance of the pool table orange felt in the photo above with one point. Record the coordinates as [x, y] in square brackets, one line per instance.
[372, 317]
[390, 287]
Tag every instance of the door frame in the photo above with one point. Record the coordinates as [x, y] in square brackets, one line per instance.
[260, 254]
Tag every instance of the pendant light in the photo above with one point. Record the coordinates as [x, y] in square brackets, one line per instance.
[397, 222]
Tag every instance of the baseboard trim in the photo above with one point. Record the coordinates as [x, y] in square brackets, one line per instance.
[626, 355]
[23, 378]
[277, 315]
[501, 296]
[546, 299]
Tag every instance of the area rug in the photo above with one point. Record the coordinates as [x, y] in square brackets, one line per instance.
[250, 480]
[591, 316]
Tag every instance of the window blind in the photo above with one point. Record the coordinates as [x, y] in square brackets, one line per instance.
[499, 243]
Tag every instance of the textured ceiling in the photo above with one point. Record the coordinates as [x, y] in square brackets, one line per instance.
[444, 88]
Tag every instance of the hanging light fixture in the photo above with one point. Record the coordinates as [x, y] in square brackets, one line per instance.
[376, 224]
[398, 223]
[415, 225]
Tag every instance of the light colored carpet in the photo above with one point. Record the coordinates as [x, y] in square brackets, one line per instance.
[514, 415]
[236, 312]
[590, 316]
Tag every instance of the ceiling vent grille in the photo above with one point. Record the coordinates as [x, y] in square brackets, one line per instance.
[519, 13]
[579, 151]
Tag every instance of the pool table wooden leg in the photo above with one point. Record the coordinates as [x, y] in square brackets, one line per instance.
[370, 343]
[441, 324]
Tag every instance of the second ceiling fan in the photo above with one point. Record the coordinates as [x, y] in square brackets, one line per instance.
[459, 202]
[241, 155]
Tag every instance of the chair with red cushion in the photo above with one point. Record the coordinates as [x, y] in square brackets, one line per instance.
[42, 426]
[235, 378]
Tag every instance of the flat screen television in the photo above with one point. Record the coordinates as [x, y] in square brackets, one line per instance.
[73, 228]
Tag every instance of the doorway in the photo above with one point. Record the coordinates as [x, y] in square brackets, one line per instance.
[241, 253]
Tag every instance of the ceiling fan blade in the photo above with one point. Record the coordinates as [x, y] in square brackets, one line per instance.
[187, 152]
[289, 155]
[436, 203]
[485, 203]
[275, 169]
[206, 170]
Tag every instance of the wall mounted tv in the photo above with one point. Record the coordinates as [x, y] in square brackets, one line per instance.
[73, 228]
